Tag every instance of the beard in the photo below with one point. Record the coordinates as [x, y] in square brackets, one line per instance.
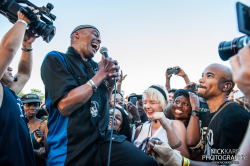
[201, 93]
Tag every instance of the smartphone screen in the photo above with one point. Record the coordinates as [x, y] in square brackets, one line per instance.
[239, 94]
[243, 17]
[133, 100]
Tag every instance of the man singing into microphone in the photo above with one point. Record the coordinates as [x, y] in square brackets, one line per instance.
[77, 90]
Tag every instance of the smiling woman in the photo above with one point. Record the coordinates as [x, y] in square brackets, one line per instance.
[181, 108]
[121, 122]
[169, 131]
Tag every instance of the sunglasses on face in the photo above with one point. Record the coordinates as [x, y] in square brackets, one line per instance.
[31, 104]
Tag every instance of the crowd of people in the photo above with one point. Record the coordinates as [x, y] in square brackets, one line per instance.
[88, 121]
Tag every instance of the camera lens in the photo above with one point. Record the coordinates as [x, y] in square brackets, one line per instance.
[228, 49]
[46, 31]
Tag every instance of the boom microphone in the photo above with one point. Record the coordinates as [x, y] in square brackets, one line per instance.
[104, 52]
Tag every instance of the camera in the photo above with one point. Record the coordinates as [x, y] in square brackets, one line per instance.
[228, 49]
[43, 26]
[173, 70]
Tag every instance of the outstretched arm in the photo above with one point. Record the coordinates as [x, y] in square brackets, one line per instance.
[182, 74]
[240, 64]
[119, 82]
[176, 133]
[168, 76]
[11, 42]
[165, 155]
[25, 63]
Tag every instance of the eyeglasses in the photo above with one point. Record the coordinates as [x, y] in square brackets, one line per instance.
[31, 104]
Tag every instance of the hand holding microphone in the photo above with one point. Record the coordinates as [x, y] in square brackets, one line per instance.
[109, 66]
[113, 76]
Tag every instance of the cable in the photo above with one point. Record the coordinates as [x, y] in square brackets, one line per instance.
[112, 128]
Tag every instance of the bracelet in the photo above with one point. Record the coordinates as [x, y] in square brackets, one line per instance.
[186, 161]
[119, 83]
[108, 86]
[27, 49]
[92, 84]
[195, 113]
[23, 22]
[177, 145]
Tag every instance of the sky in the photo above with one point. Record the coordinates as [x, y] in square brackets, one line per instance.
[144, 36]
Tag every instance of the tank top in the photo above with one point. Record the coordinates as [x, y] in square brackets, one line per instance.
[145, 134]
[36, 145]
[15, 142]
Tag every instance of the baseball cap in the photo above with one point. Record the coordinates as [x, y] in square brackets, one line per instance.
[83, 27]
[30, 98]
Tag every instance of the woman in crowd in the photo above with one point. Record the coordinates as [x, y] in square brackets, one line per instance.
[31, 103]
[169, 131]
[121, 122]
[181, 108]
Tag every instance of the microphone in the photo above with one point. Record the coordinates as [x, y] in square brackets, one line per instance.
[104, 52]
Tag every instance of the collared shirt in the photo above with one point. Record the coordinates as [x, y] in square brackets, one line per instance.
[74, 139]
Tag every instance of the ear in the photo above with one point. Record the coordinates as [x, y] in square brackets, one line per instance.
[227, 86]
[76, 35]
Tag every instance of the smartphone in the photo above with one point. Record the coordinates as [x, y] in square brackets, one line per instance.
[238, 95]
[243, 17]
[133, 100]
[173, 70]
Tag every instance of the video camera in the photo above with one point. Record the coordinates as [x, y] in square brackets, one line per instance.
[43, 26]
[228, 49]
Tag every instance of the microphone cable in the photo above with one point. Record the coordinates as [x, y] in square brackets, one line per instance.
[112, 128]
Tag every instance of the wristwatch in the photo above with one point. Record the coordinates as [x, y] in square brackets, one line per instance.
[195, 113]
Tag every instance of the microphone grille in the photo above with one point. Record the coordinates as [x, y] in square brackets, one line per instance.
[103, 49]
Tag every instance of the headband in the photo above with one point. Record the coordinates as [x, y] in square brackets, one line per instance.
[160, 90]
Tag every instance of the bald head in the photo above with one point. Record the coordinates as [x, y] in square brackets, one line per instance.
[225, 74]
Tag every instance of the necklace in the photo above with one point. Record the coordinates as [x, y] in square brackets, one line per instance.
[33, 121]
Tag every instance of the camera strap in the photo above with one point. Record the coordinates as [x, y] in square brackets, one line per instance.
[217, 112]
